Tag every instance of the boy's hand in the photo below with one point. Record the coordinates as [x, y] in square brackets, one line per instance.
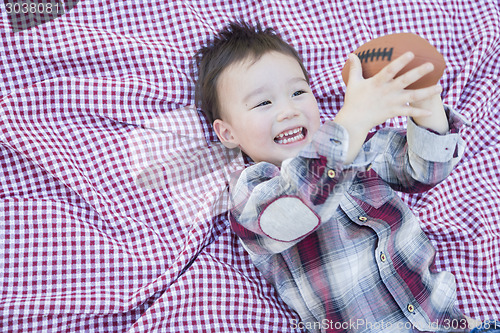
[371, 102]
[381, 97]
[437, 121]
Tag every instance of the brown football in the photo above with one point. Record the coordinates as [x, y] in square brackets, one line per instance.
[378, 52]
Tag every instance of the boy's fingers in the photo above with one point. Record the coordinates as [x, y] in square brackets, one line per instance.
[395, 66]
[408, 101]
[411, 111]
[355, 70]
[416, 95]
[414, 74]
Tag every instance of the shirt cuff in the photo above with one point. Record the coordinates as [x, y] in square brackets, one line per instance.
[432, 146]
[330, 141]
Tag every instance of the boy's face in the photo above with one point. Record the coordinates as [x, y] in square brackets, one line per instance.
[268, 108]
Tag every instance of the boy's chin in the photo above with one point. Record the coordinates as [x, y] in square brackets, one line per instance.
[280, 155]
[290, 153]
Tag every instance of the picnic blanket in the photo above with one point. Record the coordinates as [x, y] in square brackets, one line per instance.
[113, 187]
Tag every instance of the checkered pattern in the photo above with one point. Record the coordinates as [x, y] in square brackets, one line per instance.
[100, 234]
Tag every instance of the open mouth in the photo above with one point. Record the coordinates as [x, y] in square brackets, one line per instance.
[291, 136]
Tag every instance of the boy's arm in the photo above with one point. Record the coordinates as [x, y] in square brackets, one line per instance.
[426, 158]
[370, 102]
[418, 158]
[275, 208]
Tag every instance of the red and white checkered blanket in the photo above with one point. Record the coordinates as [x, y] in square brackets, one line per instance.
[113, 196]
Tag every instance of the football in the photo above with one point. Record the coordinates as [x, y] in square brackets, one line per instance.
[378, 52]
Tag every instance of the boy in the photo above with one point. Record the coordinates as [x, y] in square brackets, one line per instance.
[316, 210]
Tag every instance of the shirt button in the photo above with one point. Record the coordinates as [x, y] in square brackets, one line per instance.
[331, 173]
[362, 218]
[383, 257]
[336, 141]
[411, 308]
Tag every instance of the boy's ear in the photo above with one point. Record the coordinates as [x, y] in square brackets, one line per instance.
[224, 132]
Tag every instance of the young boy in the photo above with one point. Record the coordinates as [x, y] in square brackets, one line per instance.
[317, 211]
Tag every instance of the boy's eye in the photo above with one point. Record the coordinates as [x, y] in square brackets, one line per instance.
[298, 93]
[262, 104]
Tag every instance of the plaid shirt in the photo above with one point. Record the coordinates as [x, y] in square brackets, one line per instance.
[338, 244]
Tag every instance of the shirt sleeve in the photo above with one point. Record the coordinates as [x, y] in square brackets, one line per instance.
[448, 147]
[417, 159]
[273, 208]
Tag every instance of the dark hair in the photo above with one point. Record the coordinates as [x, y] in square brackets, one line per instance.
[236, 42]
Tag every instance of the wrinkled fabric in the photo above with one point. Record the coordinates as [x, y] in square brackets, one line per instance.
[113, 203]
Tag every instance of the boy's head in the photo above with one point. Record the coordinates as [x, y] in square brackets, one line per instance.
[255, 91]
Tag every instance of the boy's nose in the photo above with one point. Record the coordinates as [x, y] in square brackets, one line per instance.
[287, 112]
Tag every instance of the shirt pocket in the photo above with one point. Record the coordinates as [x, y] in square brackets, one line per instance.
[371, 189]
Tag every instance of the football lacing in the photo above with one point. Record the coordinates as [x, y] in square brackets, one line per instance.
[369, 55]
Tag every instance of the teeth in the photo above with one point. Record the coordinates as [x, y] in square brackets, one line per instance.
[290, 132]
[294, 135]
